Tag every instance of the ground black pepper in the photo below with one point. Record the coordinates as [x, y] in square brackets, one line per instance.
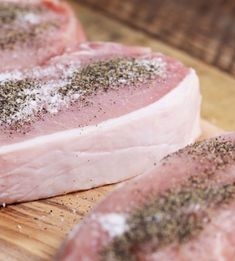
[22, 99]
[10, 12]
[15, 30]
[175, 217]
[111, 74]
[213, 154]
[180, 213]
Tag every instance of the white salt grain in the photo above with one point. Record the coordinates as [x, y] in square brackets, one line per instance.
[31, 18]
[113, 223]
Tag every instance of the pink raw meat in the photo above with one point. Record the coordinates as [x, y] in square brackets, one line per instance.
[184, 209]
[97, 116]
[32, 31]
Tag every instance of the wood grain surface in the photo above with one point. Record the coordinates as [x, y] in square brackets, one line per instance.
[204, 29]
[35, 230]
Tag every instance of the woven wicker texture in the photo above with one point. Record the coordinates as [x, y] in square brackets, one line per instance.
[204, 29]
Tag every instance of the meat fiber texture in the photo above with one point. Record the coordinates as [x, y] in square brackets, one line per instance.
[110, 135]
[183, 209]
[32, 31]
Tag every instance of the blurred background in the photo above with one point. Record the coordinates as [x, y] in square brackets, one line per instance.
[203, 28]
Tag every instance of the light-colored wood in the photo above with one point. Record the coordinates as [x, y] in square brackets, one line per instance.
[210, 130]
[34, 231]
[218, 88]
[202, 29]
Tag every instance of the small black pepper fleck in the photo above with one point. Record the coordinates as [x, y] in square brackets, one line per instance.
[180, 213]
[15, 30]
[23, 101]
[176, 216]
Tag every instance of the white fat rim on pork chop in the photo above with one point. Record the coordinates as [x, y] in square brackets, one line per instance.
[163, 103]
[110, 152]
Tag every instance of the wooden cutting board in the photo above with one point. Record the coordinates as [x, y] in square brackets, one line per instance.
[34, 231]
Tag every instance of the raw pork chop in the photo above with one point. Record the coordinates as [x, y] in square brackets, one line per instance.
[98, 116]
[184, 209]
[32, 31]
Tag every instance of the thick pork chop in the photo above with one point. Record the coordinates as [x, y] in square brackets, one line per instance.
[32, 31]
[183, 210]
[97, 116]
